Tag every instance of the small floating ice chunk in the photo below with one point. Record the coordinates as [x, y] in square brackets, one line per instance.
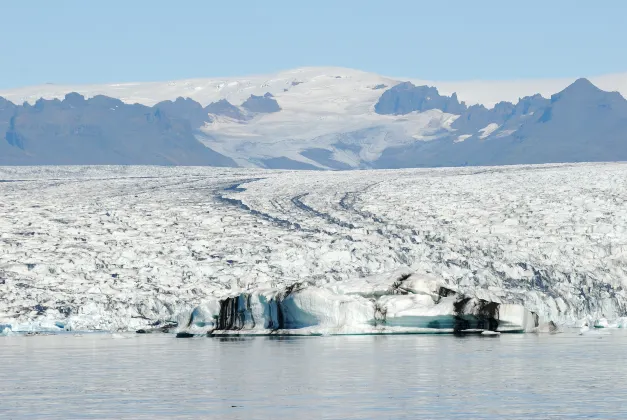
[601, 323]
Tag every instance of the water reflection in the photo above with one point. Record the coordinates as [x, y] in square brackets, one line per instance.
[158, 376]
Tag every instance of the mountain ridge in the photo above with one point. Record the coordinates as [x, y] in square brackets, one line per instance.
[331, 121]
[238, 89]
[100, 131]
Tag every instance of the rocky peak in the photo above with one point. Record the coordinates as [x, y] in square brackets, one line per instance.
[406, 97]
[261, 104]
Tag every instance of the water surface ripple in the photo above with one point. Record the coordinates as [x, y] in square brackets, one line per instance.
[435, 377]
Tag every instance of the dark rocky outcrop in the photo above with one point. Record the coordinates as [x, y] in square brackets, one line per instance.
[185, 109]
[7, 111]
[477, 116]
[405, 98]
[225, 108]
[261, 104]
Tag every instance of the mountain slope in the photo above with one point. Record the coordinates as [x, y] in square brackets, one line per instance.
[313, 81]
[97, 131]
[334, 118]
[580, 123]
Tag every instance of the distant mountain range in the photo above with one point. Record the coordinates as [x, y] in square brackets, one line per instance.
[310, 119]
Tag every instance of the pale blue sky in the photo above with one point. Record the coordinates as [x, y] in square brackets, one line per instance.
[81, 41]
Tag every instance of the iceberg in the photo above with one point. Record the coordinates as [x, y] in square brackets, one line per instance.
[409, 304]
[601, 323]
[5, 330]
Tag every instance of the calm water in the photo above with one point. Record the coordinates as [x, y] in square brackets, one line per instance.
[513, 376]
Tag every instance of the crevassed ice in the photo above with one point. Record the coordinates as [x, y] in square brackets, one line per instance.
[253, 251]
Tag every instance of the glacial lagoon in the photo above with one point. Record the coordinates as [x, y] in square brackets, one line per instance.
[530, 376]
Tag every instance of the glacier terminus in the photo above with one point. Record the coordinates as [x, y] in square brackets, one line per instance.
[223, 251]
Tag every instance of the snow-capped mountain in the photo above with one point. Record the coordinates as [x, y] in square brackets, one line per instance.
[317, 118]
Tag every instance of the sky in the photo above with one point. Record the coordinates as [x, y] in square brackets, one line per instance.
[78, 41]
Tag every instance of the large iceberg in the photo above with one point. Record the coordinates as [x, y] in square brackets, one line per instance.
[407, 304]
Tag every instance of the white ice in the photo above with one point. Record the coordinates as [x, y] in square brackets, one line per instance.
[123, 248]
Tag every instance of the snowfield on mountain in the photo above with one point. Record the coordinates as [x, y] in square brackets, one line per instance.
[317, 118]
[233, 251]
[331, 87]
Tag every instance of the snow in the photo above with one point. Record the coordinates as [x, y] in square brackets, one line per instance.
[327, 91]
[487, 130]
[289, 132]
[504, 133]
[320, 87]
[327, 106]
[463, 137]
[124, 248]
[318, 112]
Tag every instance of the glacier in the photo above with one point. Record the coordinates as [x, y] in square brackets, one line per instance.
[225, 251]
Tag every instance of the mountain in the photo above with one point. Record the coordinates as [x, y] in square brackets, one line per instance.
[225, 108]
[316, 118]
[405, 98]
[262, 104]
[579, 124]
[185, 109]
[102, 130]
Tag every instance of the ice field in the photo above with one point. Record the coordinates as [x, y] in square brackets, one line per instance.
[235, 251]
